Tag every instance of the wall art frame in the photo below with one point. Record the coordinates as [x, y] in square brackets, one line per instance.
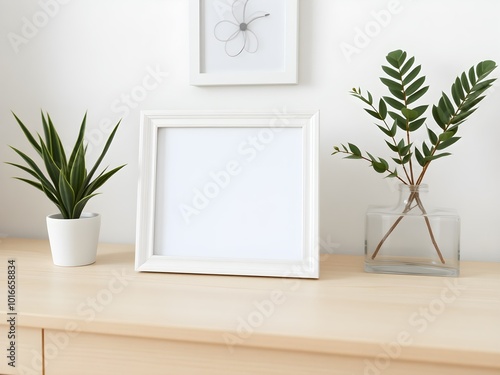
[269, 38]
[229, 193]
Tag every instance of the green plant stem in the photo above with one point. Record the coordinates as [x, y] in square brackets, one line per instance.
[413, 196]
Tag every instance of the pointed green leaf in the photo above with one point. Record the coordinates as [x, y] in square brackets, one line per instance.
[484, 68]
[78, 142]
[373, 113]
[412, 75]
[354, 149]
[462, 116]
[394, 57]
[101, 156]
[413, 98]
[415, 125]
[447, 143]
[67, 195]
[391, 72]
[419, 157]
[382, 109]
[434, 157]
[472, 76]
[409, 114]
[398, 94]
[415, 86]
[394, 103]
[28, 134]
[465, 82]
[392, 84]
[392, 147]
[432, 136]
[407, 66]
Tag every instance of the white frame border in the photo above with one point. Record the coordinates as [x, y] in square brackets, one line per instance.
[153, 121]
[289, 76]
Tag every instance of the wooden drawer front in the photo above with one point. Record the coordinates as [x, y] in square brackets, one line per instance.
[28, 351]
[103, 355]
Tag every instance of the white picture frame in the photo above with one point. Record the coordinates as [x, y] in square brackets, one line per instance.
[230, 193]
[272, 40]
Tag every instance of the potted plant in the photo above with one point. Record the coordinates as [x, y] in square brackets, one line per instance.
[410, 237]
[73, 233]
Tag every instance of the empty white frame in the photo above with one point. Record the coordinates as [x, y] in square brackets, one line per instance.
[265, 33]
[228, 193]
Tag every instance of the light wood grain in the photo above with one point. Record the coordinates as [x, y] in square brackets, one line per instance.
[103, 354]
[29, 360]
[443, 323]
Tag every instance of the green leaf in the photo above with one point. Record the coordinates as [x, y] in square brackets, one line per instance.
[394, 57]
[432, 136]
[407, 158]
[425, 149]
[469, 104]
[415, 86]
[77, 172]
[391, 72]
[380, 166]
[438, 117]
[472, 76]
[370, 98]
[392, 84]
[413, 98]
[394, 103]
[382, 109]
[420, 158]
[28, 135]
[421, 109]
[78, 142]
[465, 82]
[463, 115]
[409, 114]
[434, 157]
[398, 94]
[484, 68]
[101, 179]
[415, 125]
[392, 147]
[447, 143]
[354, 149]
[446, 135]
[443, 114]
[457, 92]
[404, 150]
[374, 114]
[56, 151]
[412, 75]
[407, 66]
[101, 156]
[67, 196]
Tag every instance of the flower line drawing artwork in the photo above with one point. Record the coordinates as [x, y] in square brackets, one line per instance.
[236, 33]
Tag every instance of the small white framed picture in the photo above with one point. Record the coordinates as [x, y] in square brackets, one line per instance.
[243, 42]
[229, 193]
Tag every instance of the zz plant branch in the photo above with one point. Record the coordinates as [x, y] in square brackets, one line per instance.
[399, 116]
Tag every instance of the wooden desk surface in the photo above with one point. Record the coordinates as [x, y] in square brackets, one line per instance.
[345, 312]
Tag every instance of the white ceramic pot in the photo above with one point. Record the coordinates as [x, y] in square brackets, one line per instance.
[73, 242]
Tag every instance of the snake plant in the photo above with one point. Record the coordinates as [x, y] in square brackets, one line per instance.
[66, 182]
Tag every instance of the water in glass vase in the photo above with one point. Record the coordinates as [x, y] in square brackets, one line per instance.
[412, 238]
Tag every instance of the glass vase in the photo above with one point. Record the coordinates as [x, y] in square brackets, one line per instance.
[412, 238]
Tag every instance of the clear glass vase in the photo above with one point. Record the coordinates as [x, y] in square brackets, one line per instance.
[411, 238]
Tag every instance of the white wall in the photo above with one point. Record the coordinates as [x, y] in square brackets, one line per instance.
[92, 54]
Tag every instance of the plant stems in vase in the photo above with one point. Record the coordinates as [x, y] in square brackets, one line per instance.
[399, 116]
